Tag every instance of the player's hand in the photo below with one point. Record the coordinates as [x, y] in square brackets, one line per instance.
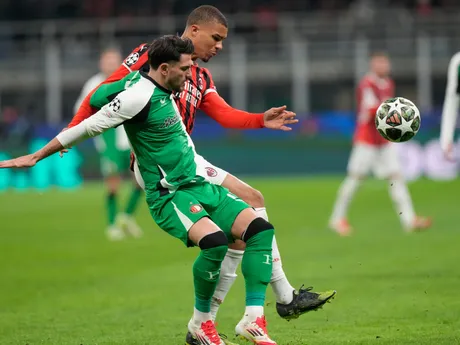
[61, 153]
[449, 152]
[279, 118]
[20, 162]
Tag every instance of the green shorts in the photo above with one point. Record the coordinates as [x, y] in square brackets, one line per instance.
[175, 213]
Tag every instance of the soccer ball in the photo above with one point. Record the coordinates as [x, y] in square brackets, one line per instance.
[397, 119]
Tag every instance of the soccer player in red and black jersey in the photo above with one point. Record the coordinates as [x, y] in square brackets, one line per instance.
[207, 28]
[372, 153]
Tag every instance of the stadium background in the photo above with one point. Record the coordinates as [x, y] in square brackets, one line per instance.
[61, 277]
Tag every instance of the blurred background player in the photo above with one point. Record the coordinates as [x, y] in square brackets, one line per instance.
[450, 108]
[371, 152]
[114, 149]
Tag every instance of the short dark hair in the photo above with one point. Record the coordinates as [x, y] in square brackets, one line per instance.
[206, 14]
[168, 48]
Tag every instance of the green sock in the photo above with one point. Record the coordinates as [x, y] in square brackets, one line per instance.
[206, 271]
[112, 207]
[257, 267]
[133, 200]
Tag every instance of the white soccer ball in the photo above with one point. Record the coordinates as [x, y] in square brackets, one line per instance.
[397, 119]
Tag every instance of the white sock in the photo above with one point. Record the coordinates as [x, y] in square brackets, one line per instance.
[226, 279]
[253, 312]
[402, 201]
[261, 212]
[199, 317]
[281, 287]
[280, 284]
[344, 197]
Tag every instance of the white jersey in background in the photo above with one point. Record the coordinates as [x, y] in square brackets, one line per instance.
[122, 141]
[451, 102]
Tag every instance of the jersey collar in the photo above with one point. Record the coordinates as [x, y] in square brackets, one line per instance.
[146, 76]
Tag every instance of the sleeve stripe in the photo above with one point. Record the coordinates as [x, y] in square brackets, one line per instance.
[125, 65]
[209, 91]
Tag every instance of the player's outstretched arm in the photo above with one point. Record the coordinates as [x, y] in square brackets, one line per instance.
[123, 107]
[275, 118]
[88, 128]
[30, 160]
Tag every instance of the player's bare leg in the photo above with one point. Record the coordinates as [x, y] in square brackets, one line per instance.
[339, 222]
[112, 182]
[403, 204]
[290, 303]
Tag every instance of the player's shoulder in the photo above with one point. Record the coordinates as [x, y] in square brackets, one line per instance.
[96, 78]
[454, 62]
[204, 72]
[456, 58]
[366, 81]
[138, 89]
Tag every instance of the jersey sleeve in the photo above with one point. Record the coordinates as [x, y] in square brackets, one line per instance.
[208, 83]
[135, 61]
[123, 107]
[451, 102]
[216, 107]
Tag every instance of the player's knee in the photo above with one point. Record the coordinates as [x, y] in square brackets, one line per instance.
[257, 226]
[216, 242]
[238, 245]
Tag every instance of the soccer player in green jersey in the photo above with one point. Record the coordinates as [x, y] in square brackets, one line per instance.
[180, 198]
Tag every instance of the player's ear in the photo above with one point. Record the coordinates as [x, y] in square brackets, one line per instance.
[194, 30]
[164, 68]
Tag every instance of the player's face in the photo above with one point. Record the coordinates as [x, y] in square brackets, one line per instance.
[208, 39]
[178, 73]
[109, 62]
[380, 65]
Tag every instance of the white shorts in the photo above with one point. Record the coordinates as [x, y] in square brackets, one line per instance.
[382, 161]
[210, 172]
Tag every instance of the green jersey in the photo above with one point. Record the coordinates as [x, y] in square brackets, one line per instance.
[164, 151]
[177, 192]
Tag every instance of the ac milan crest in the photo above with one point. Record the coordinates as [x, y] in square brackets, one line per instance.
[211, 172]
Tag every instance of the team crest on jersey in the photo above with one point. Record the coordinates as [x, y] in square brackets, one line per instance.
[197, 208]
[200, 83]
[115, 105]
[211, 172]
[132, 59]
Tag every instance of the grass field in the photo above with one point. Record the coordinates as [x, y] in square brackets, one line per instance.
[63, 283]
